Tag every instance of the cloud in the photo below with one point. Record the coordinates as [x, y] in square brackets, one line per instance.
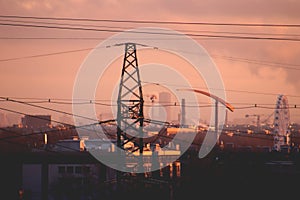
[214, 10]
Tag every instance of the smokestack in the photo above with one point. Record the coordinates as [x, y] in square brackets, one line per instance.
[226, 117]
[183, 121]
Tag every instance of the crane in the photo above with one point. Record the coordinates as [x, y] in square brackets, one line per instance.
[258, 119]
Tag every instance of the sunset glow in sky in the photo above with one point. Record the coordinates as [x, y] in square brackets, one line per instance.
[256, 62]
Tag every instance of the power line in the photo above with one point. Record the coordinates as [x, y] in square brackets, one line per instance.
[46, 108]
[151, 33]
[247, 106]
[47, 54]
[64, 24]
[96, 101]
[16, 135]
[63, 123]
[56, 53]
[246, 60]
[165, 104]
[22, 113]
[42, 132]
[54, 38]
[54, 99]
[10, 137]
[227, 90]
[70, 126]
[237, 133]
[258, 62]
[151, 21]
[126, 27]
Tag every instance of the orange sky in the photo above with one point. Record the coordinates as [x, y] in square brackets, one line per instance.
[53, 76]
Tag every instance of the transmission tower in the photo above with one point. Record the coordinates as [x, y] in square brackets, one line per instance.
[130, 115]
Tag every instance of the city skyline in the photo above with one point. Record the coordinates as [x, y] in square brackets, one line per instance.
[32, 67]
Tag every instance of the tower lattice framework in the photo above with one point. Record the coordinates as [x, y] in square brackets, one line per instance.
[130, 115]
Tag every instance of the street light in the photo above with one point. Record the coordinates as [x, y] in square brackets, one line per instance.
[217, 100]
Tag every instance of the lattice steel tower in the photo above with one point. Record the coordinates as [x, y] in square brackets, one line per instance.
[130, 115]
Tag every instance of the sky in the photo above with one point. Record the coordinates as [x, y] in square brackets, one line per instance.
[254, 71]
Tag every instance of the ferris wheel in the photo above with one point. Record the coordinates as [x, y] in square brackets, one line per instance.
[281, 123]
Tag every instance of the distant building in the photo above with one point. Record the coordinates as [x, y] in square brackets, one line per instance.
[36, 121]
[65, 176]
[79, 175]
[3, 120]
[69, 145]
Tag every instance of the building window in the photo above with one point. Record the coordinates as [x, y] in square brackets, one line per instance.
[70, 169]
[61, 170]
[78, 169]
[86, 169]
